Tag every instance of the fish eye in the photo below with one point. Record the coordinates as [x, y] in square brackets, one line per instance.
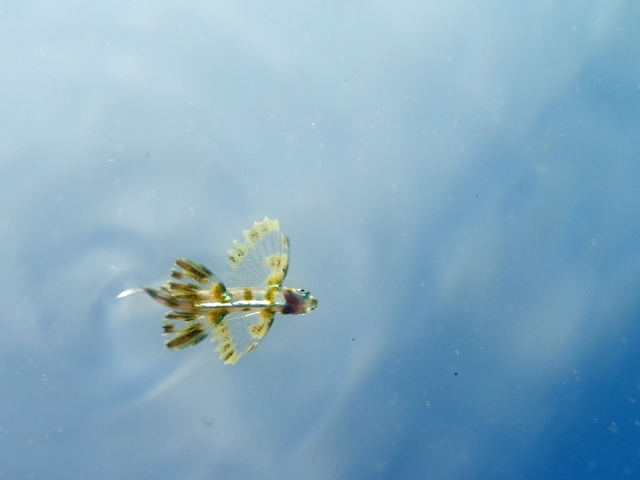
[303, 291]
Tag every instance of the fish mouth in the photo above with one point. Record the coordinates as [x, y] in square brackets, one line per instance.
[314, 303]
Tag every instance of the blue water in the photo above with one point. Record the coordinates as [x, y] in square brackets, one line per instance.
[459, 182]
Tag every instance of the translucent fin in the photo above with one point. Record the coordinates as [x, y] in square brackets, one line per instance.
[188, 337]
[198, 326]
[215, 290]
[194, 271]
[263, 258]
[240, 333]
[237, 333]
[194, 284]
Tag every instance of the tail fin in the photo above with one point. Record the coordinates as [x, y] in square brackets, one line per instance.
[162, 295]
[129, 291]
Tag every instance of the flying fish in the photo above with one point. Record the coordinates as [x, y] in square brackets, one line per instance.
[237, 318]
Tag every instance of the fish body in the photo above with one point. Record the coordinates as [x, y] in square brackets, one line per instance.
[237, 317]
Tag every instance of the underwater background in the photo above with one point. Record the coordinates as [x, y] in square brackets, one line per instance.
[459, 181]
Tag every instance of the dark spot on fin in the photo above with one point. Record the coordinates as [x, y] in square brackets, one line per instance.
[188, 337]
[184, 316]
[192, 270]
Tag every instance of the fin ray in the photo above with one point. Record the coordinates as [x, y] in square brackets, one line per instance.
[240, 333]
[263, 258]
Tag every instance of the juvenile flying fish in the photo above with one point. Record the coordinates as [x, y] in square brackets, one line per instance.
[238, 317]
